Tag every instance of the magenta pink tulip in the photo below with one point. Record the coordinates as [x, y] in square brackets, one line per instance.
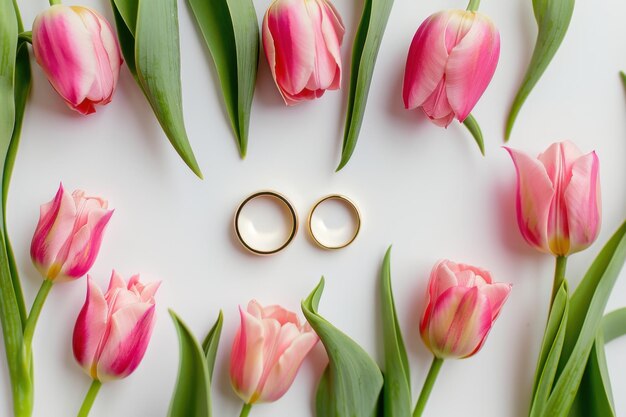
[68, 236]
[268, 350]
[451, 61]
[558, 198]
[113, 329]
[462, 304]
[302, 39]
[79, 53]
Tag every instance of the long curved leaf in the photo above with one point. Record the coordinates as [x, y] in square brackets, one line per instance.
[14, 88]
[474, 128]
[367, 41]
[231, 31]
[553, 18]
[352, 382]
[622, 76]
[585, 317]
[211, 342]
[192, 394]
[595, 398]
[550, 351]
[148, 35]
[397, 385]
[23, 82]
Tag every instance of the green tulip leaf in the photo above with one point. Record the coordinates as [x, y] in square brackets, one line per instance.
[230, 30]
[211, 342]
[553, 18]
[148, 35]
[15, 83]
[584, 319]
[192, 394]
[352, 382]
[367, 41]
[474, 128]
[622, 75]
[397, 377]
[550, 351]
[595, 396]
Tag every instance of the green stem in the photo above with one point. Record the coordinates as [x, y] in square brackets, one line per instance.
[473, 5]
[26, 37]
[435, 367]
[33, 316]
[559, 276]
[18, 16]
[245, 410]
[53, 2]
[90, 398]
[474, 128]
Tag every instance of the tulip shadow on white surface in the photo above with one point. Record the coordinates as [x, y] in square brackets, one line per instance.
[504, 195]
[266, 90]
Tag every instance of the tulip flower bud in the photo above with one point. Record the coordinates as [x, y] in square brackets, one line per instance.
[268, 350]
[68, 236]
[113, 329]
[463, 303]
[302, 39]
[558, 198]
[79, 53]
[451, 61]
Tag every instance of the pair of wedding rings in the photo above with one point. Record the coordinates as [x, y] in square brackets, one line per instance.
[268, 242]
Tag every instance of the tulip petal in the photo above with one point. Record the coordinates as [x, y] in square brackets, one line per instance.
[53, 230]
[62, 47]
[471, 65]
[333, 31]
[293, 40]
[246, 362]
[534, 198]
[460, 321]
[496, 294]
[126, 344]
[437, 107]
[286, 368]
[90, 328]
[276, 342]
[84, 246]
[280, 314]
[582, 199]
[426, 61]
[325, 59]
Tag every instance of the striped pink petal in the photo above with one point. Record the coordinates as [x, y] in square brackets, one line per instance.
[129, 332]
[426, 61]
[583, 202]
[535, 193]
[460, 321]
[471, 65]
[90, 328]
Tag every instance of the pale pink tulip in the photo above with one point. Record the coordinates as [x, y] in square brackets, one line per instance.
[558, 198]
[451, 61]
[462, 304]
[302, 39]
[68, 236]
[113, 329]
[268, 350]
[79, 53]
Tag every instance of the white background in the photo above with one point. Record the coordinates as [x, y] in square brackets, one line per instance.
[424, 189]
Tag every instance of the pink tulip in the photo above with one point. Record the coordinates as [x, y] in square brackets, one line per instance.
[68, 236]
[463, 303]
[302, 39]
[451, 61]
[78, 51]
[558, 198]
[113, 329]
[268, 350]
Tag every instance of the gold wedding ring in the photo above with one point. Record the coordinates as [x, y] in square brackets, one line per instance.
[325, 242]
[252, 247]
